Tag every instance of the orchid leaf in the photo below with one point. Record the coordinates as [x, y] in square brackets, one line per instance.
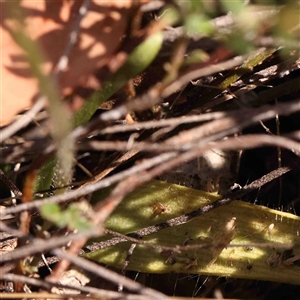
[158, 202]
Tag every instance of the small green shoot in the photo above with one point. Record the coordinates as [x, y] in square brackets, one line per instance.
[72, 217]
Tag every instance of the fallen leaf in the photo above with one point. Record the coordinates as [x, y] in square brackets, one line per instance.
[50, 23]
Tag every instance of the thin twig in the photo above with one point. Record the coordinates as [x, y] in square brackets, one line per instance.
[101, 212]
[49, 285]
[156, 94]
[109, 275]
[198, 212]
[180, 248]
[64, 59]
[246, 142]
[88, 189]
[235, 143]
[10, 184]
[162, 123]
[40, 245]
[24, 120]
[126, 263]
[176, 248]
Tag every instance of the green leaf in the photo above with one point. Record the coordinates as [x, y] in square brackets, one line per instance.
[75, 218]
[158, 201]
[71, 217]
[44, 176]
[197, 23]
[53, 213]
[234, 7]
[137, 61]
[49, 210]
[196, 56]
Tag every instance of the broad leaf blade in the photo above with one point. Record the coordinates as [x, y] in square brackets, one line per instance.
[255, 224]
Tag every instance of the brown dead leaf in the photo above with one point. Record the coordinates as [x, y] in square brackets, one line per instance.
[49, 23]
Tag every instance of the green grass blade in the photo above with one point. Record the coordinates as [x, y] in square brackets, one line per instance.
[137, 61]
